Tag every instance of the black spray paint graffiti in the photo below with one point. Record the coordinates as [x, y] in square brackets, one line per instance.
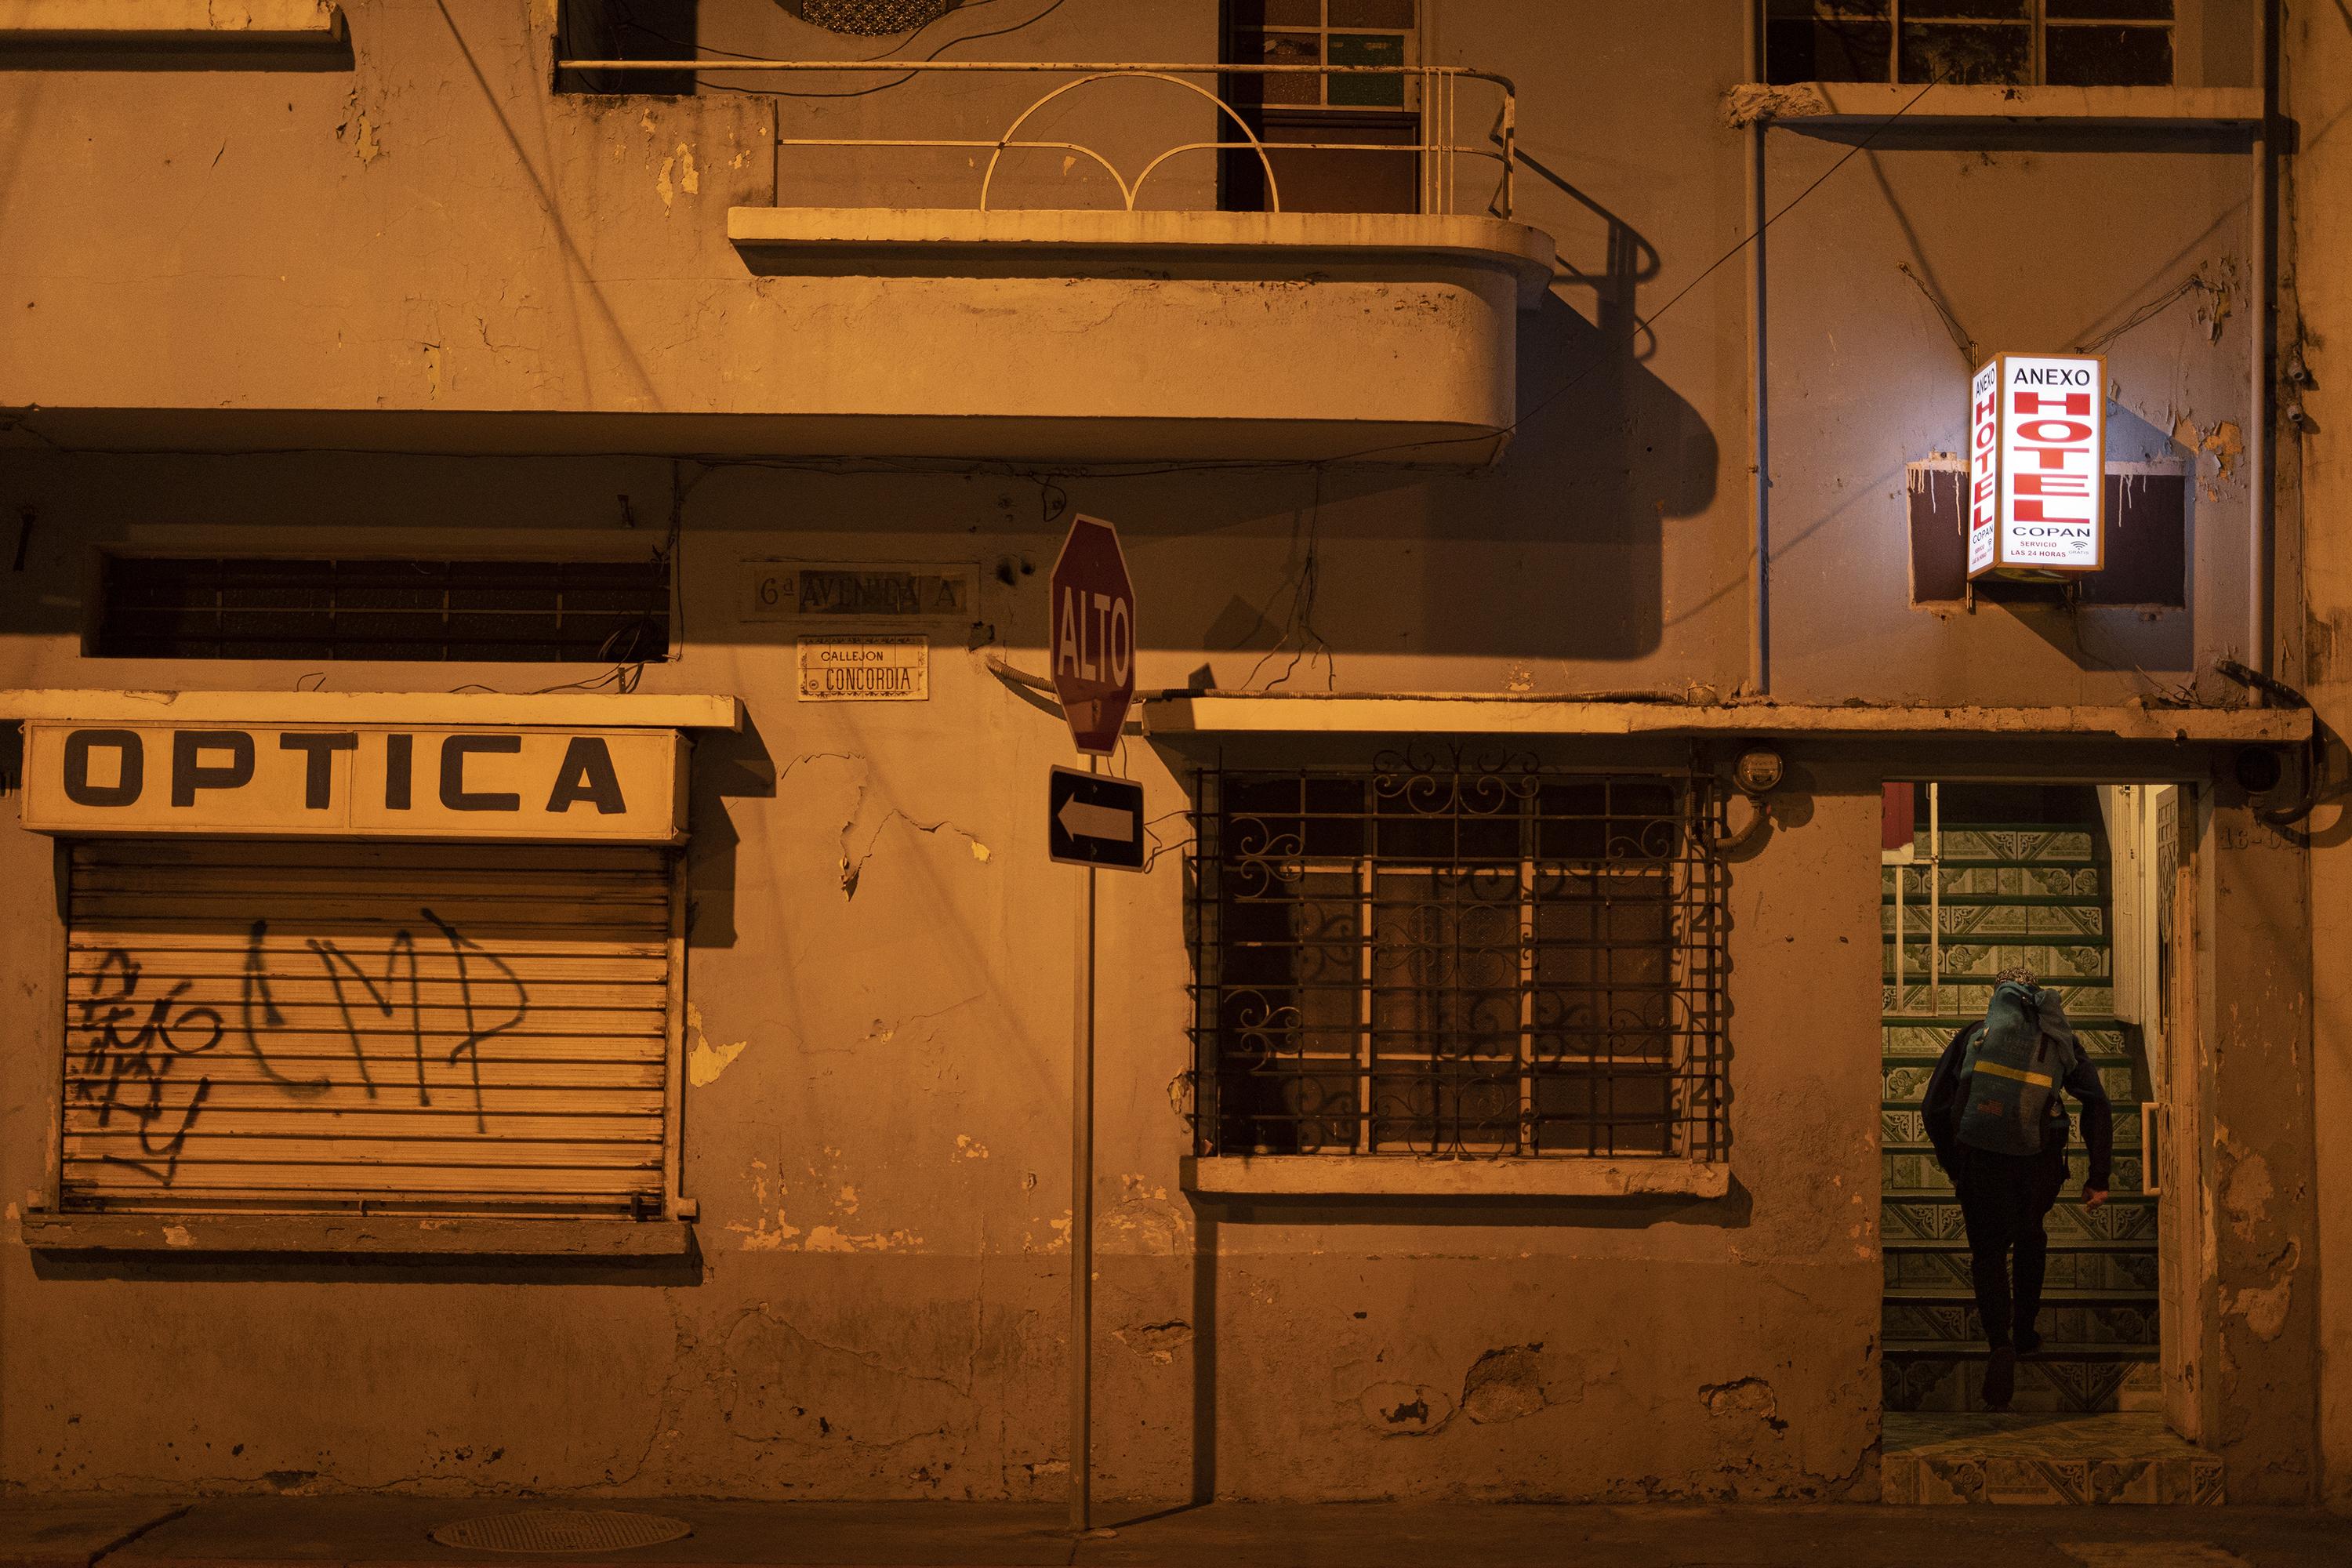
[133, 1075]
[129, 1075]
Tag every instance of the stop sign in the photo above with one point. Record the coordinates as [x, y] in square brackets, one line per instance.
[1093, 642]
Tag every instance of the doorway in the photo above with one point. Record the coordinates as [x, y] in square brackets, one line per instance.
[2076, 884]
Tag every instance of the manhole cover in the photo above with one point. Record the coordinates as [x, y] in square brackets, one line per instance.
[561, 1530]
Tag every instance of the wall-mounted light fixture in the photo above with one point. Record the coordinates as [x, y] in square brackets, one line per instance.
[2037, 466]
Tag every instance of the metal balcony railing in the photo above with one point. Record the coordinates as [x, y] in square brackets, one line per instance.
[1438, 147]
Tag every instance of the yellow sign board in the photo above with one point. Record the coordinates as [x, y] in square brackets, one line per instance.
[257, 780]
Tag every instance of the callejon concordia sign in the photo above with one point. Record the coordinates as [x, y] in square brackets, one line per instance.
[354, 781]
[2037, 466]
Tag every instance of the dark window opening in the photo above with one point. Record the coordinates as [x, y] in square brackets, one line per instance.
[613, 612]
[626, 30]
[2143, 541]
[1352, 118]
[2064, 43]
[1449, 955]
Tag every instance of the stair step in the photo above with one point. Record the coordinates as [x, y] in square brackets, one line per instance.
[1977, 1349]
[1949, 1021]
[2057, 1244]
[1959, 1295]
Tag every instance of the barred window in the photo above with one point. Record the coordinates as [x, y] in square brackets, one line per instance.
[236, 608]
[1445, 954]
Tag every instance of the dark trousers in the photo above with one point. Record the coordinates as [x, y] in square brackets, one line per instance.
[2003, 1200]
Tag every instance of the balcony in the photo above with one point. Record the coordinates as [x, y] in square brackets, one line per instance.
[1019, 269]
[1147, 332]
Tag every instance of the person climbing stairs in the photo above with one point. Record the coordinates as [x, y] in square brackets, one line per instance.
[2009, 894]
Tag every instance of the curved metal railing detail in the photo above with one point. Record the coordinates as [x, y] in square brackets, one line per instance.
[1438, 147]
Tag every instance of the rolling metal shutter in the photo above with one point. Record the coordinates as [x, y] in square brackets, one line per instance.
[422, 1027]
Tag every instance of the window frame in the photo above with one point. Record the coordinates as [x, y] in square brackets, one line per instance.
[1692, 1148]
[557, 557]
[2037, 26]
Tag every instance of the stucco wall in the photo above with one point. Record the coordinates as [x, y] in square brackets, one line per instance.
[2318, 315]
[882, 1168]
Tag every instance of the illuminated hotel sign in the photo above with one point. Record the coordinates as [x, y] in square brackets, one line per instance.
[2037, 465]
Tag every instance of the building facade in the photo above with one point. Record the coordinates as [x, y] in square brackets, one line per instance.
[535, 963]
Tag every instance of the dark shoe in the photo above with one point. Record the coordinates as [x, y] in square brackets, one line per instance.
[2027, 1342]
[2000, 1378]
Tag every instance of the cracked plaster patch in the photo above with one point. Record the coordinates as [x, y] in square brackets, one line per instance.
[1156, 1342]
[1743, 1396]
[1518, 1381]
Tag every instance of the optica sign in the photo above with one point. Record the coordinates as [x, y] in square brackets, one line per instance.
[2037, 465]
[358, 781]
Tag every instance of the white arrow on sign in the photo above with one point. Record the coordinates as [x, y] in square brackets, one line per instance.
[1080, 820]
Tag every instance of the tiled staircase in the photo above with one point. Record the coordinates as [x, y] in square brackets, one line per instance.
[2037, 897]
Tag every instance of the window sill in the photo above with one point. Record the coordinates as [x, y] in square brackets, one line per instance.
[350, 1236]
[1389, 1175]
[1826, 104]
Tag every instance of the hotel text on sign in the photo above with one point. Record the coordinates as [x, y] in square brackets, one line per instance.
[2037, 465]
[609, 785]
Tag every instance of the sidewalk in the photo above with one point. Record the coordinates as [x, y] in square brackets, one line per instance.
[379, 1532]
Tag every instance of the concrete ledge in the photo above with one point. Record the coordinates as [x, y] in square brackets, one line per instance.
[1404, 1176]
[1861, 103]
[174, 34]
[354, 1235]
[551, 709]
[950, 241]
[1217, 712]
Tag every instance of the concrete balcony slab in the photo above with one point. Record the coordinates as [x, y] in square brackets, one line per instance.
[1112, 335]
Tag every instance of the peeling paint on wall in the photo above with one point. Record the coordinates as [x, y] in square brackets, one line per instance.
[706, 1061]
[2264, 1306]
[1405, 1409]
[1750, 1396]
[689, 179]
[1156, 1342]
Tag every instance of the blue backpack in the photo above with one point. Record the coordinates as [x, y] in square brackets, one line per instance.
[2009, 1077]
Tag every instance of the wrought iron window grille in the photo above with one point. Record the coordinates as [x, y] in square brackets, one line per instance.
[1464, 954]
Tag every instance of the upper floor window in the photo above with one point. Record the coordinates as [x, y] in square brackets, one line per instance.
[1343, 126]
[2056, 43]
[1447, 954]
[625, 30]
[157, 606]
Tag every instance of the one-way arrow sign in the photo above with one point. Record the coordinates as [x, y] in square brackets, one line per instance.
[1091, 820]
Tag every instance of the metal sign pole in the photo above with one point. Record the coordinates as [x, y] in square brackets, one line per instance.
[1082, 1210]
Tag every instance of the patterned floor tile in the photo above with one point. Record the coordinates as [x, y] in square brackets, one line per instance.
[2025, 1458]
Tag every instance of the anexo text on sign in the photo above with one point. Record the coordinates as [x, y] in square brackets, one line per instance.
[619, 785]
[2037, 466]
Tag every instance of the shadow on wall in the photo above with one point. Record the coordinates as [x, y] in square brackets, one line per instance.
[726, 763]
[1558, 552]
[2148, 637]
[1605, 452]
